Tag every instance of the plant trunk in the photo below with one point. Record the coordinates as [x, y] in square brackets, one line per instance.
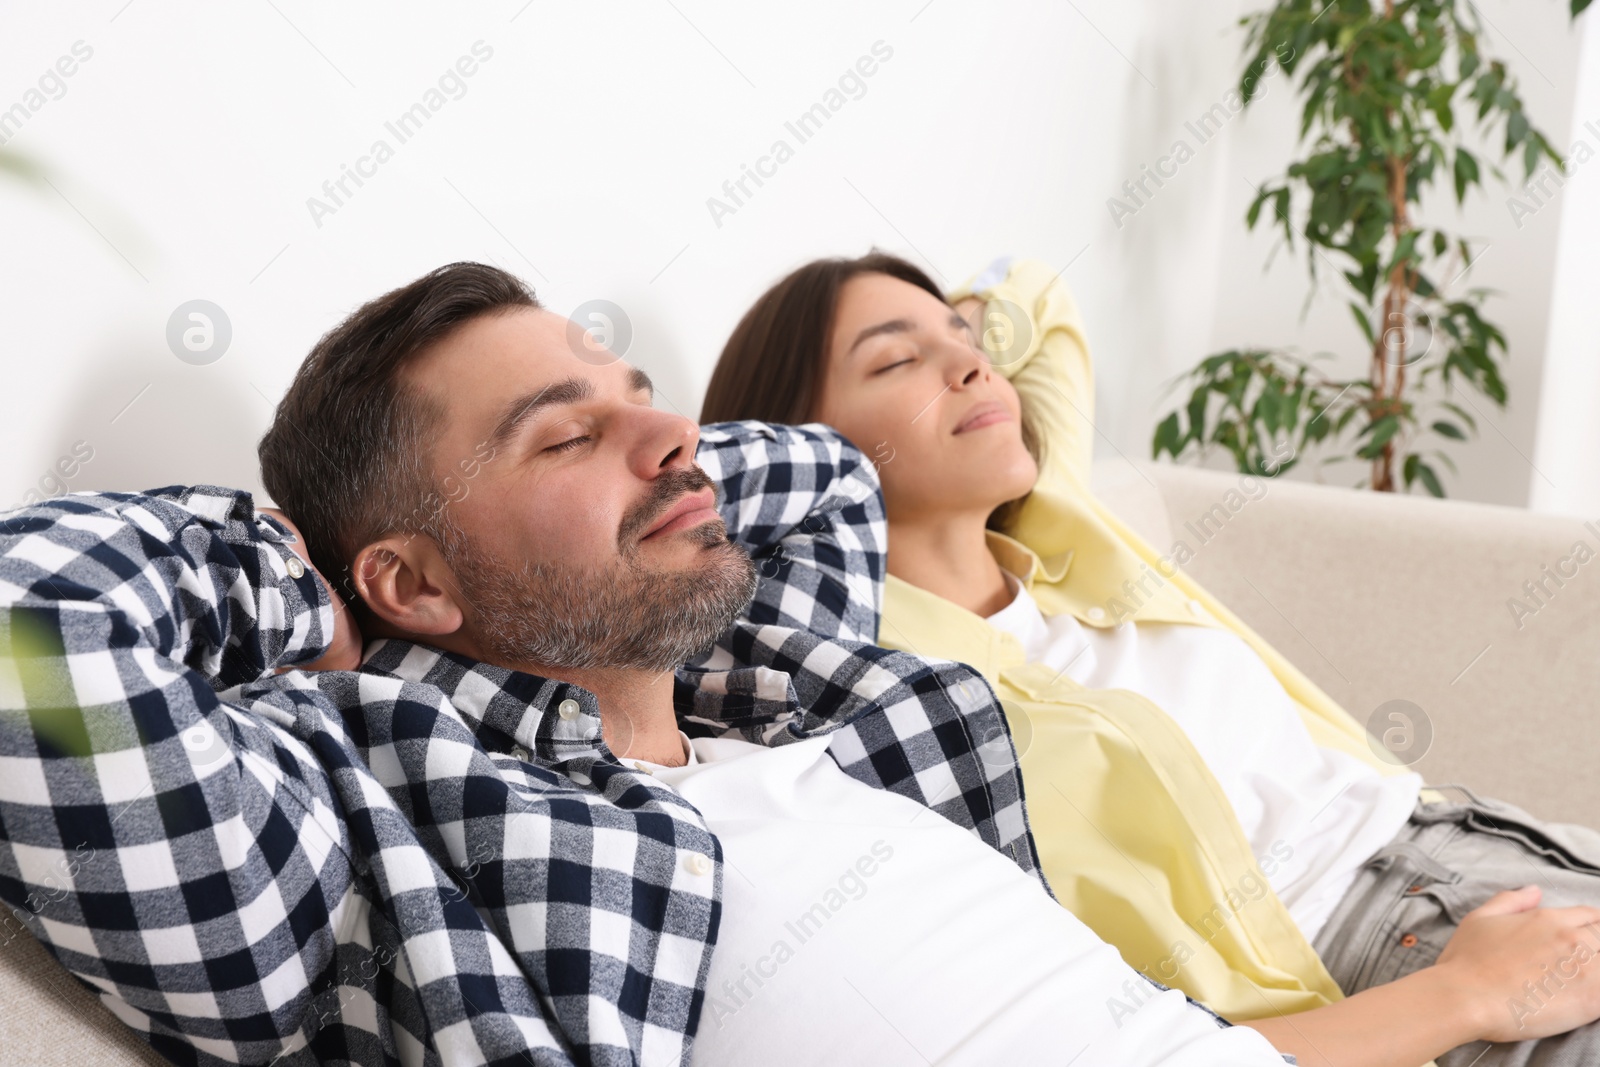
[1386, 387]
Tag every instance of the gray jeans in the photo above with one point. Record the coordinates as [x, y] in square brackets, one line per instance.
[1448, 859]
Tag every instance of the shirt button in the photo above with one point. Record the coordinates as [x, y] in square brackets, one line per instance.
[521, 753]
[1096, 614]
[296, 568]
[1196, 608]
[697, 864]
[568, 708]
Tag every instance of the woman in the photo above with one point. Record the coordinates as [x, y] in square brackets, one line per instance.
[1196, 800]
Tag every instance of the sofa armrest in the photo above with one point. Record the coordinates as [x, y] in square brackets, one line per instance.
[1386, 596]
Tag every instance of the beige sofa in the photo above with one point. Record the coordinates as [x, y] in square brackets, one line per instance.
[1377, 598]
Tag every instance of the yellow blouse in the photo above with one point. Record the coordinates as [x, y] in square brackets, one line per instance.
[1136, 835]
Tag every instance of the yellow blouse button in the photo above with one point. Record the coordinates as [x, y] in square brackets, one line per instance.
[1096, 614]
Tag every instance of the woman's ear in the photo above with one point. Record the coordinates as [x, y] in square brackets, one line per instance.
[405, 582]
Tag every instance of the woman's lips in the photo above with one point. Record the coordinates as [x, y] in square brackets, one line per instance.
[984, 415]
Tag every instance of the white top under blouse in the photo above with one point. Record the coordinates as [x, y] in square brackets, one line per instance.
[1319, 813]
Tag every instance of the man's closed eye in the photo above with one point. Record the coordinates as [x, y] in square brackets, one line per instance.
[569, 444]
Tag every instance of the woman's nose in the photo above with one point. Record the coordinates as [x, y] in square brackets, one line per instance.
[966, 369]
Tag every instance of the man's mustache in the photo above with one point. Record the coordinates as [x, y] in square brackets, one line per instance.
[664, 492]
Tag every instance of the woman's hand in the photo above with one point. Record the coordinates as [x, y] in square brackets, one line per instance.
[1535, 971]
[344, 654]
[1512, 971]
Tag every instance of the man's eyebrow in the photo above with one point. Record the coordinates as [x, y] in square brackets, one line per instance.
[526, 406]
[565, 391]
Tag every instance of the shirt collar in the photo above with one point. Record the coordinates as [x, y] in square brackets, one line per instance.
[560, 720]
[690, 759]
[501, 706]
[1024, 562]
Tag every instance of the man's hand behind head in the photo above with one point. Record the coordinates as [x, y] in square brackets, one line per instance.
[344, 654]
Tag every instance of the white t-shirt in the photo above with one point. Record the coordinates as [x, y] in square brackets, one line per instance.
[1317, 812]
[860, 927]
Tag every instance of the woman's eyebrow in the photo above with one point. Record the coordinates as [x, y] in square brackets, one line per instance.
[892, 326]
[903, 326]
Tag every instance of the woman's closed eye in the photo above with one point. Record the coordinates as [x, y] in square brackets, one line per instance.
[892, 366]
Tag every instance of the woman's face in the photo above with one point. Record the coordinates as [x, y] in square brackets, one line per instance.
[907, 384]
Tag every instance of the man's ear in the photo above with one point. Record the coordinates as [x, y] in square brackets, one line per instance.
[406, 582]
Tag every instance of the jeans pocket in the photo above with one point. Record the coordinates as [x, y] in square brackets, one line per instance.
[1411, 936]
[1407, 916]
[1527, 833]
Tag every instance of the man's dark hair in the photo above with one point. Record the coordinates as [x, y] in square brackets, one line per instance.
[347, 455]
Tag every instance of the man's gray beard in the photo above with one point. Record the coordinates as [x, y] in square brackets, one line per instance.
[623, 617]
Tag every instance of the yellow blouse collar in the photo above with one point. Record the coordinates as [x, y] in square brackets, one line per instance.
[1024, 562]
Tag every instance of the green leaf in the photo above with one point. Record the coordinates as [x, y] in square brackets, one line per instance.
[1578, 6]
[1430, 479]
[1531, 151]
[1382, 430]
[1466, 172]
[1468, 419]
[1364, 322]
[1255, 208]
[1516, 129]
[1439, 104]
[1166, 438]
[1197, 416]
[1449, 429]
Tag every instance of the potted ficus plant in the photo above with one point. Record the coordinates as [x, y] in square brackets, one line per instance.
[1388, 88]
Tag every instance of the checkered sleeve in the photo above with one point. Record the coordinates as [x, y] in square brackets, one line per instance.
[182, 856]
[807, 505]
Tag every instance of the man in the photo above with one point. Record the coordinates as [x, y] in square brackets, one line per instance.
[490, 837]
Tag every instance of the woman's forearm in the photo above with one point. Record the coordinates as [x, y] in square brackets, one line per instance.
[1404, 1023]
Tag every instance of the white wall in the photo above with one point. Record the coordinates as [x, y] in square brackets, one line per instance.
[582, 155]
[1567, 447]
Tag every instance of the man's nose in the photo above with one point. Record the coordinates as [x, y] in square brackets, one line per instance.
[666, 440]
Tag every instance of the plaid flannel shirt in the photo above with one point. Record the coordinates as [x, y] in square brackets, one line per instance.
[429, 859]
